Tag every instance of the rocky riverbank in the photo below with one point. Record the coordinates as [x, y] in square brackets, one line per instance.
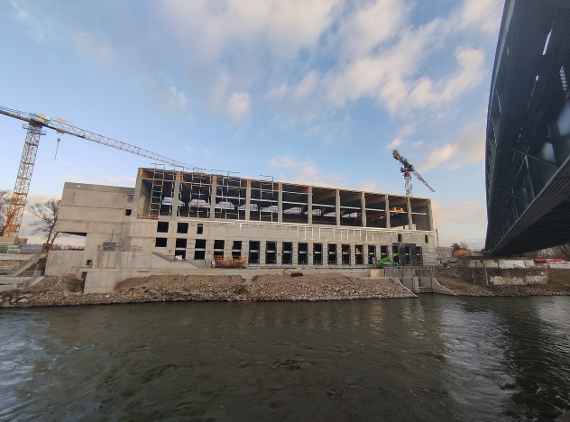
[558, 285]
[65, 291]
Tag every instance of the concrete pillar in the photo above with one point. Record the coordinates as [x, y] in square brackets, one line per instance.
[388, 225]
[279, 251]
[248, 200]
[352, 255]
[214, 187]
[325, 254]
[310, 253]
[338, 207]
[262, 248]
[430, 216]
[280, 202]
[176, 196]
[409, 207]
[310, 205]
[295, 252]
[139, 201]
[363, 206]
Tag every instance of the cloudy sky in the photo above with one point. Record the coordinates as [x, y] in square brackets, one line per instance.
[317, 91]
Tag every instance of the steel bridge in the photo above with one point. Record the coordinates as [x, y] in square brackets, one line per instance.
[528, 129]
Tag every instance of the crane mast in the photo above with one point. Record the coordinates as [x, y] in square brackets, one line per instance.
[34, 124]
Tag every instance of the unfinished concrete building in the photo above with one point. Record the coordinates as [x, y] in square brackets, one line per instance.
[183, 221]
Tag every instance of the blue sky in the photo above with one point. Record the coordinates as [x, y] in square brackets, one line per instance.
[306, 90]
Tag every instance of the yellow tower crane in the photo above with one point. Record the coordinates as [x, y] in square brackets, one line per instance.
[34, 123]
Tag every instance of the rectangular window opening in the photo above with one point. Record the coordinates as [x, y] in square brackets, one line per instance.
[317, 254]
[200, 249]
[302, 254]
[345, 254]
[162, 227]
[287, 253]
[182, 228]
[254, 252]
[332, 254]
[181, 243]
[200, 229]
[160, 242]
[271, 253]
[358, 255]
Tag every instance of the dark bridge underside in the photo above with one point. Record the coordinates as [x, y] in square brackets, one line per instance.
[528, 129]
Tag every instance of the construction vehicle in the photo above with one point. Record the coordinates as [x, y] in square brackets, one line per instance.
[407, 171]
[34, 125]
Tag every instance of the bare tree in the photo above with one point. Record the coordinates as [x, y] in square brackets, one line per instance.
[4, 198]
[47, 215]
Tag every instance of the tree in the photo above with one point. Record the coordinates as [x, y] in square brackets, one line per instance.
[47, 215]
[4, 198]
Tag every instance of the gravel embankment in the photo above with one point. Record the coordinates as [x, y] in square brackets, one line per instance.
[65, 291]
[455, 287]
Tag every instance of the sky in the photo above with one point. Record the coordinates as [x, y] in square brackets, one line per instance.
[312, 91]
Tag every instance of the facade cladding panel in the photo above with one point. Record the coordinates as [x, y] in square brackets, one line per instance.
[207, 219]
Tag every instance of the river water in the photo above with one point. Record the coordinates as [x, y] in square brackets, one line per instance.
[429, 359]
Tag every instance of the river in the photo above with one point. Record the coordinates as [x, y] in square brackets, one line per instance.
[430, 359]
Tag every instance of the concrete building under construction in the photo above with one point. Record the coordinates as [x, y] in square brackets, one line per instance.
[186, 221]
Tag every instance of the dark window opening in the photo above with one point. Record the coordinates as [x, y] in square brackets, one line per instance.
[89, 262]
[419, 256]
[162, 227]
[128, 212]
[236, 249]
[200, 229]
[200, 249]
[181, 243]
[358, 258]
[219, 249]
[345, 254]
[383, 251]
[160, 242]
[318, 254]
[254, 252]
[332, 254]
[302, 254]
[180, 254]
[287, 254]
[399, 238]
[182, 228]
[371, 254]
[271, 252]
[427, 239]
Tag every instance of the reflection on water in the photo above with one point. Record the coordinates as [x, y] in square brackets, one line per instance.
[432, 359]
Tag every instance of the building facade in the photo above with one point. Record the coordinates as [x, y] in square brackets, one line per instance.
[204, 219]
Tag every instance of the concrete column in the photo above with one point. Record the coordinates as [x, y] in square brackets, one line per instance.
[325, 255]
[388, 225]
[310, 205]
[262, 248]
[352, 255]
[139, 200]
[310, 253]
[295, 252]
[280, 202]
[248, 200]
[363, 206]
[176, 196]
[279, 251]
[430, 216]
[338, 207]
[213, 193]
[409, 207]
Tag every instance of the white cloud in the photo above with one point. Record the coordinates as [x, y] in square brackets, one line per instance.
[459, 221]
[238, 106]
[285, 27]
[400, 138]
[307, 85]
[175, 99]
[372, 25]
[468, 149]
[480, 15]
[469, 74]
[302, 171]
[91, 46]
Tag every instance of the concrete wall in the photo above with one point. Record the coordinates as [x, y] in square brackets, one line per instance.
[64, 262]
